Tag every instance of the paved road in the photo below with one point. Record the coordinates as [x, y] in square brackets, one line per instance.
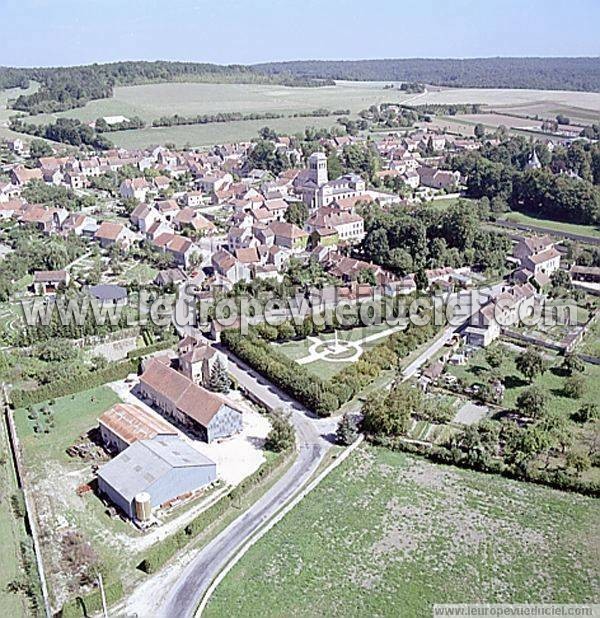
[187, 592]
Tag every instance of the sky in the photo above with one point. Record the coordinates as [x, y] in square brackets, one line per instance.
[66, 32]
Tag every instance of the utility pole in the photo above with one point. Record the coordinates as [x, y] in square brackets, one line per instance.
[101, 585]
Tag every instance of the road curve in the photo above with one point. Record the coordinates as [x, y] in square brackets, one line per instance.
[185, 595]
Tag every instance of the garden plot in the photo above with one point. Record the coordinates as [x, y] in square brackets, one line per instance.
[330, 353]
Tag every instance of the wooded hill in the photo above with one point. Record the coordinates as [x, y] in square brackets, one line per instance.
[537, 73]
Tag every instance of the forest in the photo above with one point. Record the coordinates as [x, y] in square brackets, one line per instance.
[538, 73]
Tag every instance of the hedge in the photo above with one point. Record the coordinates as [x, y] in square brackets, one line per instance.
[91, 603]
[439, 454]
[162, 552]
[80, 382]
[150, 349]
[322, 396]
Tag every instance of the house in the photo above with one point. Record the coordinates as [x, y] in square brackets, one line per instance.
[109, 234]
[152, 473]
[289, 236]
[438, 179]
[125, 423]
[196, 408]
[21, 175]
[347, 225]
[585, 274]
[193, 199]
[49, 281]
[169, 276]
[143, 216]
[135, 188]
[228, 267]
[44, 219]
[197, 363]
[505, 310]
[538, 255]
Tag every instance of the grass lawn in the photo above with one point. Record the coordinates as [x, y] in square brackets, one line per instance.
[389, 535]
[12, 532]
[73, 415]
[559, 226]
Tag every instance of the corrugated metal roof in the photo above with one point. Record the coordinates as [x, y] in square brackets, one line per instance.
[146, 461]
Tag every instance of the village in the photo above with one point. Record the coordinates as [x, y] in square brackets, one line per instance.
[172, 418]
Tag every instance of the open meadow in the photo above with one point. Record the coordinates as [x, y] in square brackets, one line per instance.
[387, 534]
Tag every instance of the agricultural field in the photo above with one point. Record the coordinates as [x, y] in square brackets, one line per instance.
[391, 535]
[151, 101]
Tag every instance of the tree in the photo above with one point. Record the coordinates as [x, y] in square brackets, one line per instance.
[574, 386]
[560, 279]
[530, 363]
[572, 364]
[494, 356]
[297, 213]
[587, 412]
[39, 148]
[281, 437]
[347, 431]
[219, 381]
[578, 461]
[479, 131]
[389, 415]
[532, 402]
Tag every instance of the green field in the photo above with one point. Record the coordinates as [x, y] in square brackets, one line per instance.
[390, 535]
[152, 101]
[559, 226]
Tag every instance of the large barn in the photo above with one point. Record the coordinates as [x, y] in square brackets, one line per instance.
[205, 412]
[163, 468]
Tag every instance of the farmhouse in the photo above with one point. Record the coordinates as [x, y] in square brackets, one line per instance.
[152, 473]
[198, 409]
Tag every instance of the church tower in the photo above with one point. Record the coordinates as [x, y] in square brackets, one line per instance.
[317, 164]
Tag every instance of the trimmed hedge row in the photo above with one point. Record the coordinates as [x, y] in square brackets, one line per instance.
[439, 454]
[150, 349]
[162, 552]
[80, 382]
[91, 603]
[323, 396]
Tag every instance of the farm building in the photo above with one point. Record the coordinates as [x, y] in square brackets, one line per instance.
[163, 469]
[198, 409]
[125, 424]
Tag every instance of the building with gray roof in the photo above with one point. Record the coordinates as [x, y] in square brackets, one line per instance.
[164, 468]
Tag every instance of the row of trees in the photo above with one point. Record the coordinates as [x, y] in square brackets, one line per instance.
[177, 120]
[64, 130]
